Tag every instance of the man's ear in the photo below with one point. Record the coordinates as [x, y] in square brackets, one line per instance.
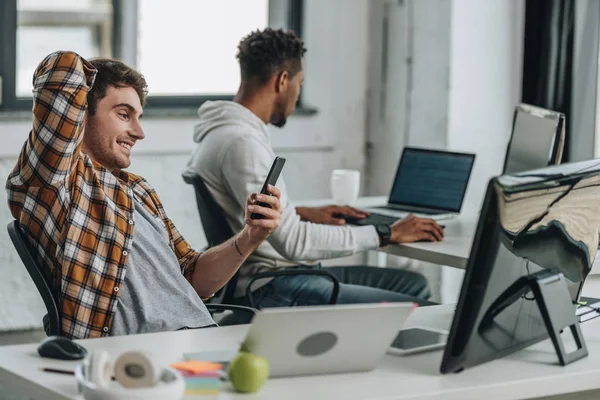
[281, 82]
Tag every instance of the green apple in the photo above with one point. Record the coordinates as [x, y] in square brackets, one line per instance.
[248, 372]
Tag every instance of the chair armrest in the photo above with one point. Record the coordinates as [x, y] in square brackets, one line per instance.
[51, 325]
[289, 272]
[231, 307]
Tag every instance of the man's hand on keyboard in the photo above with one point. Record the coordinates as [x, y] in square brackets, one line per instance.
[414, 229]
[330, 215]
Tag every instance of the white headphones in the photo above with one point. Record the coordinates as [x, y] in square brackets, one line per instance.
[138, 377]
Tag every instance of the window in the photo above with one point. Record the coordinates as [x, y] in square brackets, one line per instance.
[198, 42]
[43, 27]
[31, 29]
[199, 36]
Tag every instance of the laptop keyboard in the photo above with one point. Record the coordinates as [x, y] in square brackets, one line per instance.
[415, 210]
[372, 219]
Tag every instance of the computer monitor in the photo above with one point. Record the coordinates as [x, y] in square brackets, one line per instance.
[537, 139]
[545, 221]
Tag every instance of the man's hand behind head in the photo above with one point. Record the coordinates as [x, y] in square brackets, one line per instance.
[414, 229]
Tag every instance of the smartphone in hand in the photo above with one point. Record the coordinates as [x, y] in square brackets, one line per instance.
[272, 177]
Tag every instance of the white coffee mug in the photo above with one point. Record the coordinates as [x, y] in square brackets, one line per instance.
[345, 186]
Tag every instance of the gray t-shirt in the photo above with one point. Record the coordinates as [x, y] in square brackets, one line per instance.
[155, 296]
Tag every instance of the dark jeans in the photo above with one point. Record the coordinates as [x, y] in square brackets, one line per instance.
[358, 284]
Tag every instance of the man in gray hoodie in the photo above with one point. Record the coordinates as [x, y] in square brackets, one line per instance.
[233, 157]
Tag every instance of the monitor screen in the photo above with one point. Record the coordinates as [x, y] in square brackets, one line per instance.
[536, 139]
[534, 222]
[432, 179]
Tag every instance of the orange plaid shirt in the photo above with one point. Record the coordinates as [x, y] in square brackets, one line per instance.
[77, 214]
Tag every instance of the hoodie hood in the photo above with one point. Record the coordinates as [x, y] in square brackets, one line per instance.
[215, 114]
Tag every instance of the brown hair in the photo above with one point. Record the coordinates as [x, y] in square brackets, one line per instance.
[116, 74]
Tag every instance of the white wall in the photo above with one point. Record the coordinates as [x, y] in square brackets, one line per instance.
[453, 79]
[336, 35]
[409, 94]
[485, 84]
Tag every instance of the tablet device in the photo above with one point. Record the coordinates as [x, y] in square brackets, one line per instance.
[417, 340]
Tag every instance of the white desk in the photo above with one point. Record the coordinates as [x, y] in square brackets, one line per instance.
[530, 373]
[453, 251]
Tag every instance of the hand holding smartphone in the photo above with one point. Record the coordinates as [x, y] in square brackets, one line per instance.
[272, 177]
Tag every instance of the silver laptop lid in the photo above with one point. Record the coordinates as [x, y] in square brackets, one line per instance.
[325, 339]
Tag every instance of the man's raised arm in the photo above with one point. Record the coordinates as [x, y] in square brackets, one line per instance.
[60, 86]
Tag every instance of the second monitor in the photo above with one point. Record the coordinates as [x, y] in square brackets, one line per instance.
[537, 139]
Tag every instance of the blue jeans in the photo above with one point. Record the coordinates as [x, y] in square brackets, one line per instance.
[358, 284]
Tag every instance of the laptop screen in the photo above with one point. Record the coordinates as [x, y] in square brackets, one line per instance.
[432, 179]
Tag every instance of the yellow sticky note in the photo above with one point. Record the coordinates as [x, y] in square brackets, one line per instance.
[197, 367]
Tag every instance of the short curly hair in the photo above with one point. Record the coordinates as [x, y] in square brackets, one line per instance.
[264, 53]
[116, 74]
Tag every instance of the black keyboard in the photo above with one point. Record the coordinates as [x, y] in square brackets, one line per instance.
[372, 219]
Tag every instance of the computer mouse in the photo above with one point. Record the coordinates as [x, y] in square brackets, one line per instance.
[61, 348]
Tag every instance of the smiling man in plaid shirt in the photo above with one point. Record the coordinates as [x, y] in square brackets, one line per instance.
[119, 264]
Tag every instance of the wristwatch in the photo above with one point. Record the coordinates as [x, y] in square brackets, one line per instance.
[385, 234]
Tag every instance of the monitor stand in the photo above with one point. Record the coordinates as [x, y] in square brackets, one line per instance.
[556, 307]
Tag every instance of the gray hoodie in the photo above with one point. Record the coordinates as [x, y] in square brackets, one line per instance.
[233, 157]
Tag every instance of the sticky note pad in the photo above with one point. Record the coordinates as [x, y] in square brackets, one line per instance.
[197, 367]
[201, 392]
[207, 374]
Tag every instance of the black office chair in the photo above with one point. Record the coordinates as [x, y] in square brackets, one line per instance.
[43, 281]
[40, 276]
[217, 231]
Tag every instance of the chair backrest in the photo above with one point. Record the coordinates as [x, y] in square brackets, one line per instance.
[216, 228]
[40, 276]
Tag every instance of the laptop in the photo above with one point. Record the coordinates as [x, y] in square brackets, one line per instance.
[325, 339]
[428, 183]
